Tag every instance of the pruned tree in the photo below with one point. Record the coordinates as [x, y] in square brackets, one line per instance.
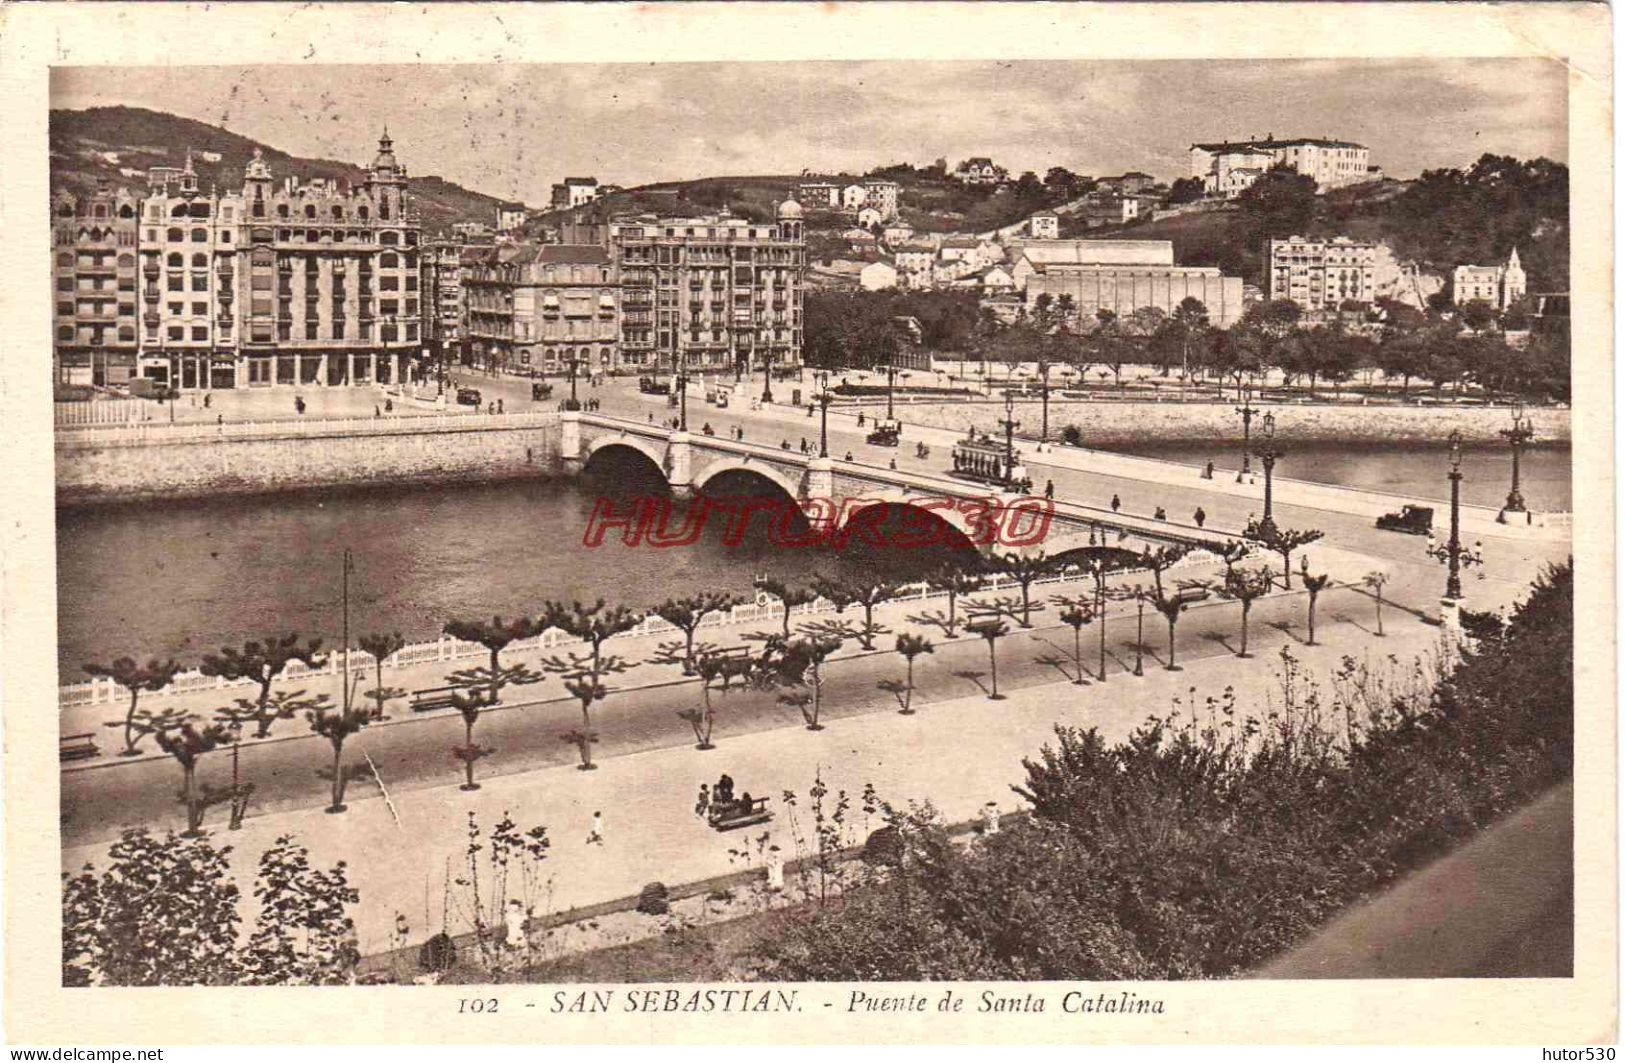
[153, 676]
[1377, 580]
[495, 635]
[1246, 588]
[1075, 613]
[337, 724]
[991, 630]
[187, 744]
[1170, 608]
[1282, 541]
[584, 673]
[1025, 571]
[1314, 584]
[954, 582]
[908, 647]
[686, 615]
[789, 596]
[263, 662]
[715, 671]
[798, 663]
[382, 646]
[1160, 560]
[468, 703]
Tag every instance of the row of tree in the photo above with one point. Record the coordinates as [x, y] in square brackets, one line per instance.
[788, 662]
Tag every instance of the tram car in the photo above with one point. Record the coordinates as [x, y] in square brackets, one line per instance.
[983, 460]
[886, 433]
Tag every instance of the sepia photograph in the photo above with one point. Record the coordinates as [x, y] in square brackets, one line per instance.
[717, 537]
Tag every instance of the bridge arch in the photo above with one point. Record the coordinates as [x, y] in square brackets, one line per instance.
[760, 469]
[647, 448]
[906, 519]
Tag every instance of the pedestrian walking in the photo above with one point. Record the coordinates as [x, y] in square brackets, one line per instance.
[1117, 503]
[595, 833]
[1161, 514]
[723, 794]
[1210, 470]
[1049, 488]
[499, 406]
[208, 400]
[376, 412]
[893, 463]
[860, 418]
[702, 807]
[1200, 516]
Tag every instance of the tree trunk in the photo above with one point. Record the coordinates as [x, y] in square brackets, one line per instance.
[129, 724]
[468, 763]
[1101, 598]
[338, 777]
[1246, 607]
[1077, 651]
[1286, 569]
[1312, 619]
[1379, 612]
[908, 690]
[495, 686]
[1172, 666]
[194, 817]
[993, 666]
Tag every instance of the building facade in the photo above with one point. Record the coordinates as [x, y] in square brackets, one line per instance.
[280, 285]
[1028, 258]
[1332, 163]
[94, 243]
[1125, 289]
[541, 307]
[881, 195]
[711, 292]
[1045, 225]
[574, 192]
[1321, 275]
[1500, 286]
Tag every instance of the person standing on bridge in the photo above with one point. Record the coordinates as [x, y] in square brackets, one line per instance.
[1117, 503]
[1200, 516]
[1049, 488]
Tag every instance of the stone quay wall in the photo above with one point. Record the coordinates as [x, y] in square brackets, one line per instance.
[1120, 422]
[147, 462]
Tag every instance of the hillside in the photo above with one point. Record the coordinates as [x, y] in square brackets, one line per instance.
[138, 138]
[1441, 220]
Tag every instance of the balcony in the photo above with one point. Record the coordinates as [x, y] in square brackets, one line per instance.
[151, 295]
[284, 268]
[150, 269]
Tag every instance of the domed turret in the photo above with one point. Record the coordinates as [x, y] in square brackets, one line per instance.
[790, 210]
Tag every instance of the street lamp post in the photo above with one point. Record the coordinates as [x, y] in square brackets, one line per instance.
[767, 376]
[682, 398]
[891, 377]
[1247, 410]
[1267, 453]
[1010, 425]
[1452, 553]
[823, 412]
[1521, 432]
[1043, 396]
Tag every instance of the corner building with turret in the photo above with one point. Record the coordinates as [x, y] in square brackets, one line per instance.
[279, 283]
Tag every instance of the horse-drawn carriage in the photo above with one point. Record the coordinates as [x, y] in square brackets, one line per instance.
[541, 390]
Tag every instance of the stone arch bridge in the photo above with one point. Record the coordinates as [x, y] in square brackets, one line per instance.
[689, 462]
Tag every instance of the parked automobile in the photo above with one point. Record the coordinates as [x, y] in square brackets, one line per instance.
[468, 396]
[1412, 520]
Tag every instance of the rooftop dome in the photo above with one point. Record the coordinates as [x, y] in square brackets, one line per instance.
[789, 209]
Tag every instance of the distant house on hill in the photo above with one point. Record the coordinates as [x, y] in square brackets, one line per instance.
[979, 170]
[574, 191]
[878, 275]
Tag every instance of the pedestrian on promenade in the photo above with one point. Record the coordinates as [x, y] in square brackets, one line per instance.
[651, 418]
[723, 794]
[775, 870]
[499, 406]
[849, 455]
[702, 807]
[1162, 514]
[1117, 503]
[1049, 488]
[595, 833]
[1210, 470]
[1200, 516]
[376, 412]
[784, 444]
[208, 399]
[860, 418]
[389, 405]
[220, 420]
[893, 463]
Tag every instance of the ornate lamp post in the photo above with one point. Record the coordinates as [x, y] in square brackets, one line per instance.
[1267, 453]
[891, 381]
[823, 412]
[1521, 432]
[573, 362]
[1043, 395]
[1010, 425]
[1247, 410]
[1451, 553]
[682, 396]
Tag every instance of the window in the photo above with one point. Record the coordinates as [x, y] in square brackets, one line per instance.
[389, 239]
[126, 309]
[412, 282]
[388, 306]
[310, 326]
[282, 210]
[175, 283]
[200, 332]
[65, 258]
[225, 235]
[126, 261]
[65, 333]
[338, 212]
[176, 309]
[176, 332]
[64, 308]
[362, 213]
[200, 309]
[175, 260]
[389, 284]
[310, 210]
[200, 282]
[200, 236]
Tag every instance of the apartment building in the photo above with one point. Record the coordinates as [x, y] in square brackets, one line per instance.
[1321, 275]
[540, 307]
[94, 241]
[1332, 163]
[713, 292]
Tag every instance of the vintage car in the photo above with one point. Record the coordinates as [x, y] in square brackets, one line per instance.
[540, 391]
[1412, 520]
[468, 396]
[653, 386]
[886, 433]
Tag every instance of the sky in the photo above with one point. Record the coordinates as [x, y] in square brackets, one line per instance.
[511, 130]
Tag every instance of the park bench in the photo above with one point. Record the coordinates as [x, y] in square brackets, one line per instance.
[737, 814]
[432, 698]
[77, 747]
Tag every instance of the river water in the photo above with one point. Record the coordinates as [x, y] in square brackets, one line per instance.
[180, 579]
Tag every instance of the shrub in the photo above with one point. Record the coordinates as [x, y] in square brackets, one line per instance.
[1072, 435]
[652, 899]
